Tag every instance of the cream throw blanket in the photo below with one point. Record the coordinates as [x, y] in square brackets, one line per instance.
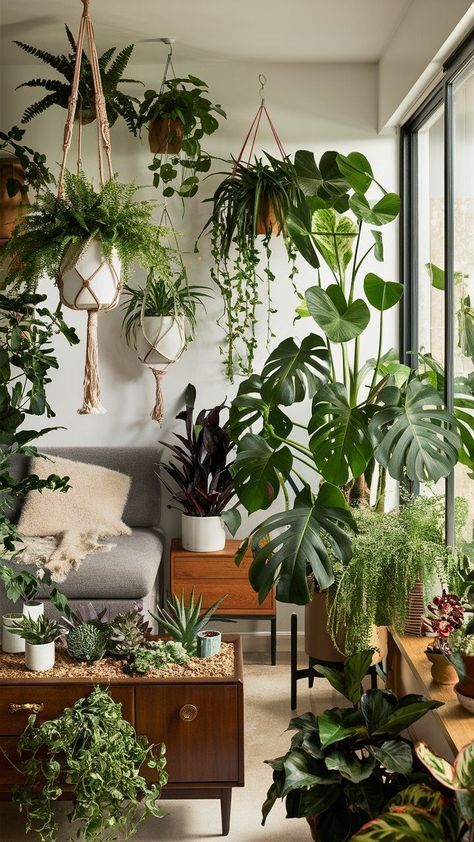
[60, 529]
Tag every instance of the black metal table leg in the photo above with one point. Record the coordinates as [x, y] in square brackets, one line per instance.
[273, 640]
[310, 672]
[294, 657]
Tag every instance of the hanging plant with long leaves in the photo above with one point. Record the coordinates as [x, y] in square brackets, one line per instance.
[362, 414]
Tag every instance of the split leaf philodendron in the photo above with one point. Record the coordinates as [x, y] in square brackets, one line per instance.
[367, 418]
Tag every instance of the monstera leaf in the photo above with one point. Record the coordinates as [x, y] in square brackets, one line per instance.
[334, 236]
[414, 434]
[341, 444]
[340, 321]
[285, 543]
[293, 371]
[249, 409]
[256, 471]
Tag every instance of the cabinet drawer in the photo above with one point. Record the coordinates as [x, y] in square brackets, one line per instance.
[204, 749]
[9, 776]
[54, 699]
[239, 596]
[195, 569]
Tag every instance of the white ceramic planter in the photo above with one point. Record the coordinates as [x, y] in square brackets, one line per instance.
[162, 339]
[202, 534]
[40, 656]
[11, 643]
[33, 609]
[103, 277]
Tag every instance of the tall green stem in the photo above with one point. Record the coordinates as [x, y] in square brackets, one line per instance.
[355, 267]
[379, 353]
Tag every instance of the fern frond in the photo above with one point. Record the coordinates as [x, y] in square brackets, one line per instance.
[60, 63]
[116, 70]
[47, 84]
[105, 58]
[124, 107]
[40, 106]
[71, 39]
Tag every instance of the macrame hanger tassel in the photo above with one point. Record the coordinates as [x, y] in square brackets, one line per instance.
[91, 403]
[158, 411]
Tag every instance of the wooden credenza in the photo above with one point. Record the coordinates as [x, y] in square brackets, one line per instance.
[200, 720]
[214, 575]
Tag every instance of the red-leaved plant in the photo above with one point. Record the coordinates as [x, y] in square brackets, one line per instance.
[445, 615]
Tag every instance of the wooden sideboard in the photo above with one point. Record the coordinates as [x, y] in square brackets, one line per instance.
[446, 729]
[214, 575]
[200, 720]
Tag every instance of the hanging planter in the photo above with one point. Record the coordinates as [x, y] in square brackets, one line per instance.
[12, 207]
[165, 135]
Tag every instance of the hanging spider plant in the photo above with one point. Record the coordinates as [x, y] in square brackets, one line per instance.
[253, 200]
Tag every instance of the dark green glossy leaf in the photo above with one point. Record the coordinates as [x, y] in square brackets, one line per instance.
[291, 371]
[357, 170]
[349, 765]
[394, 756]
[256, 471]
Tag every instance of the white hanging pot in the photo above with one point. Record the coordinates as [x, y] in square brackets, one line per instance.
[11, 643]
[202, 534]
[161, 340]
[33, 609]
[87, 280]
[40, 656]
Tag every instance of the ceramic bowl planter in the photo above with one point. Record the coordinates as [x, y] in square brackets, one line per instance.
[165, 136]
[202, 534]
[464, 699]
[442, 671]
[87, 281]
[161, 339]
[40, 656]
[208, 643]
[11, 643]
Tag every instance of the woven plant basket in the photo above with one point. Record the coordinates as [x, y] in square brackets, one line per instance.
[161, 341]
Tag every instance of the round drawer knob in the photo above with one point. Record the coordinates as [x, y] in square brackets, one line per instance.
[188, 712]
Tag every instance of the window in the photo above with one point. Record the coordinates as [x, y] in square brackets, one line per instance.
[437, 248]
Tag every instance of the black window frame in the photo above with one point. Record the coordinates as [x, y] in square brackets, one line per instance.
[441, 95]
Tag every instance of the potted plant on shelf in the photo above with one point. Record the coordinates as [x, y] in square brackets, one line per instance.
[118, 103]
[185, 623]
[345, 764]
[462, 659]
[202, 483]
[40, 636]
[445, 615]
[178, 116]
[24, 586]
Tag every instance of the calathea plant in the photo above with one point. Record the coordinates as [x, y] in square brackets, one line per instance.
[362, 414]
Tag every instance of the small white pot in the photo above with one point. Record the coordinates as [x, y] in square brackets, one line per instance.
[40, 656]
[202, 534]
[11, 643]
[33, 609]
[161, 339]
[86, 262]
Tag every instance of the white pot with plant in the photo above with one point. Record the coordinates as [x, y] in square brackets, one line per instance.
[12, 643]
[40, 642]
[202, 478]
[24, 587]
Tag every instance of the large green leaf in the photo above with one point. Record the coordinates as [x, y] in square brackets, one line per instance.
[297, 774]
[379, 213]
[325, 181]
[410, 708]
[377, 706]
[394, 756]
[357, 170]
[414, 433]
[337, 724]
[334, 236]
[340, 444]
[298, 223]
[382, 294]
[256, 471]
[408, 824]
[248, 409]
[291, 371]
[351, 767]
[285, 543]
[341, 322]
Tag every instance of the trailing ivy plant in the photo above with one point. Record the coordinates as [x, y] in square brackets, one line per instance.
[118, 103]
[93, 751]
[366, 418]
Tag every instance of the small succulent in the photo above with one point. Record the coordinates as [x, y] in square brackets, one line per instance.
[128, 631]
[154, 655]
[445, 615]
[38, 631]
[88, 634]
[183, 621]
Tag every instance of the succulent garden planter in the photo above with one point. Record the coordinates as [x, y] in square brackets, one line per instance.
[208, 643]
[33, 609]
[442, 671]
[165, 136]
[11, 643]
[40, 656]
[11, 207]
[87, 281]
[202, 534]
[161, 339]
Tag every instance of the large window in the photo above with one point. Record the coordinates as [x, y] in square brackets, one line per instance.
[437, 249]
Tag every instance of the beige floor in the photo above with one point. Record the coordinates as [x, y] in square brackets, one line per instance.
[267, 712]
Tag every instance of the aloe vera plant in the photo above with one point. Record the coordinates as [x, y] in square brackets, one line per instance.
[183, 620]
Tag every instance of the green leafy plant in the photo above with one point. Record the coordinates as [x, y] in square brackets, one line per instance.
[88, 634]
[128, 631]
[36, 172]
[183, 620]
[253, 199]
[118, 103]
[163, 296]
[112, 215]
[345, 764]
[38, 631]
[190, 117]
[91, 750]
[155, 655]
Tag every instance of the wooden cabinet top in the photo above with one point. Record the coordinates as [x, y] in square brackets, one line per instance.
[229, 551]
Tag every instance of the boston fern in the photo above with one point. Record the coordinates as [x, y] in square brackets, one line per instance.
[110, 214]
[91, 751]
[118, 104]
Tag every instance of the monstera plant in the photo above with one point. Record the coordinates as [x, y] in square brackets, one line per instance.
[367, 418]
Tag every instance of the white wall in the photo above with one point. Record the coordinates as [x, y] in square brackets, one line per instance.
[316, 107]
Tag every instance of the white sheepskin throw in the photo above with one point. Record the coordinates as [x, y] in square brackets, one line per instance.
[60, 528]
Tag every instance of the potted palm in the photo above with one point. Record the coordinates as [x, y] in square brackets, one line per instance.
[202, 485]
[40, 636]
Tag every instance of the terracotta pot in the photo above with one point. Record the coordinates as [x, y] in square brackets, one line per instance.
[165, 135]
[318, 642]
[11, 207]
[268, 220]
[466, 685]
[442, 671]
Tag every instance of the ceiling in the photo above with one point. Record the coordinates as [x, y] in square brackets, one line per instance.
[213, 30]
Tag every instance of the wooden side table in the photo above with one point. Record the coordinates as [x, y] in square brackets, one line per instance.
[214, 575]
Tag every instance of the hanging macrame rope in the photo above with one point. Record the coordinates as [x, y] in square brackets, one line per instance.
[91, 403]
[251, 136]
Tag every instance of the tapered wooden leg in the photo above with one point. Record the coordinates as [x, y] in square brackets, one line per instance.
[273, 640]
[310, 673]
[226, 802]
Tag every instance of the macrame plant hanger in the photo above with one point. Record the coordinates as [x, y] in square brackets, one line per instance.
[91, 402]
[253, 130]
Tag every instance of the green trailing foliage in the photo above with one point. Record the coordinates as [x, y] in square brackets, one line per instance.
[111, 214]
[183, 620]
[36, 172]
[93, 752]
[155, 655]
[344, 765]
[112, 66]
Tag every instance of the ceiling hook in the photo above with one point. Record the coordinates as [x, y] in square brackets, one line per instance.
[169, 42]
[263, 81]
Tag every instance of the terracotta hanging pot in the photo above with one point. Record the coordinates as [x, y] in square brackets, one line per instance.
[165, 135]
[11, 207]
[318, 642]
[268, 221]
[442, 671]
[86, 114]
[87, 280]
